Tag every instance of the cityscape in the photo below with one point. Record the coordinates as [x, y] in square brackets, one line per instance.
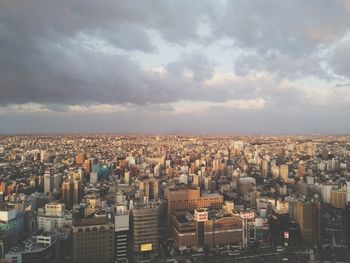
[174, 198]
[174, 131]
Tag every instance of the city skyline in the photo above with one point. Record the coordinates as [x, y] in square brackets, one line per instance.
[201, 67]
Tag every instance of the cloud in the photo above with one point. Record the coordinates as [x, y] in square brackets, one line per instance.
[174, 58]
[201, 107]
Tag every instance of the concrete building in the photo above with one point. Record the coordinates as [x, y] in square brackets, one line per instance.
[207, 228]
[42, 248]
[48, 182]
[145, 231]
[308, 218]
[338, 198]
[53, 218]
[122, 234]
[11, 222]
[185, 199]
[72, 192]
[93, 240]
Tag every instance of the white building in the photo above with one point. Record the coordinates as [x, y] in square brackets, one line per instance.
[53, 218]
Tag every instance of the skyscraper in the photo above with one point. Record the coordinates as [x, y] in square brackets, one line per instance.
[308, 218]
[48, 181]
[145, 231]
[71, 193]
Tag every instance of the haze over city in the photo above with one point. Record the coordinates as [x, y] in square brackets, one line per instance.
[174, 66]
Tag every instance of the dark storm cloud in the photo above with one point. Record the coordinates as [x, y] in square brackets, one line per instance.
[49, 55]
[42, 60]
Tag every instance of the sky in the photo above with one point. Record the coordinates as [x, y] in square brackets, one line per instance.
[184, 66]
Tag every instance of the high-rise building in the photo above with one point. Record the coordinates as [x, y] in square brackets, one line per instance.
[308, 218]
[80, 159]
[93, 241]
[264, 168]
[68, 193]
[72, 192]
[338, 198]
[284, 170]
[122, 234]
[48, 181]
[145, 231]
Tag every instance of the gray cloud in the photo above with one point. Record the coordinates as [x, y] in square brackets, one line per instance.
[49, 55]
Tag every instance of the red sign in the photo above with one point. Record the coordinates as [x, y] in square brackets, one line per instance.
[286, 234]
[247, 215]
[201, 216]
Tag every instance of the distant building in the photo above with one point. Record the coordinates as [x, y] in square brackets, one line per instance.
[72, 192]
[338, 198]
[80, 159]
[48, 182]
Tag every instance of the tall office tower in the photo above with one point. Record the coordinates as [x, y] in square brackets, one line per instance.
[216, 164]
[145, 231]
[48, 181]
[68, 194]
[284, 170]
[325, 154]
[338, 198]
[93, 241]
[57, 181]
[88, 164]
[264, 168]
[80, 159]
[144, 188]
[154, 189]
[122, 234]
[72, 192]
[308, 218]
[325, 190]
[78, 192]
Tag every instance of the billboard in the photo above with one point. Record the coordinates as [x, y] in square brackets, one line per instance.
[247, 215]
[286, 234]
[146, 247]
[201, 216]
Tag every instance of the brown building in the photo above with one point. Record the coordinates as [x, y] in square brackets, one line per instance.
[71, 193]
[308, 218]
[181, 200]
[80, 159]
[207, 228]
[338, 198]
[145, 231]
[93, 241]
